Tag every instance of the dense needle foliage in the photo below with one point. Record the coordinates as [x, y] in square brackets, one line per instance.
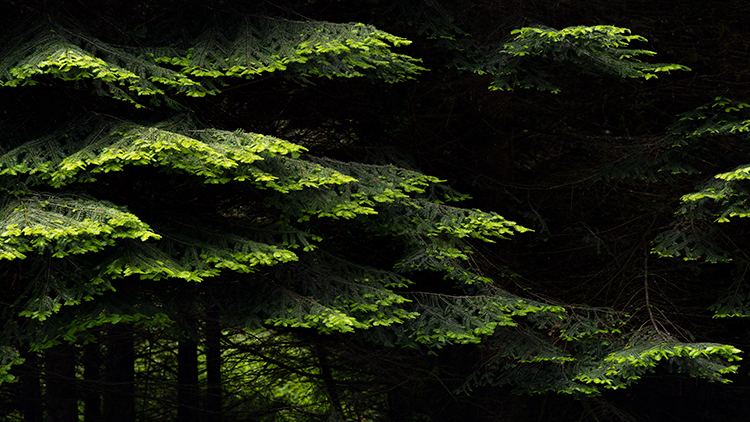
[259, 211]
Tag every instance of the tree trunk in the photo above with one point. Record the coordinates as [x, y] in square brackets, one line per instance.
[188, 398]
[60, 378]
[213, 368]
[29, 387]
[119, 398]
[329, 382]
[92, 400]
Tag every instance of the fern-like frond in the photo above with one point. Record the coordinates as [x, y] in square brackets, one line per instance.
[733, 301]
[192, 258]
[524, 358]
[339, 301]
[322, 292]
[65, 225]
[65, 50]
[217, 156]
[411, 204]
[720, 199]
[691, 240]
[237, 46]
[248, 46]
[600, 47]
[54, 283]
[701, 360]
[445, 319]
[722, 116]
[523, 345]
[367, 187]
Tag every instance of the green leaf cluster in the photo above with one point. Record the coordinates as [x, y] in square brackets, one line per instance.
[602, 47]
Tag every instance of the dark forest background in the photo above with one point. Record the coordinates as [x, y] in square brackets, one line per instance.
[592, 169]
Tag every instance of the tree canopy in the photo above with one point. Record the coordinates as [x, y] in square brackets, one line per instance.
[376, 211]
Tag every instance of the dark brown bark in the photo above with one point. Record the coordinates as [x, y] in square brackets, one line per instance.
[29, 376]
[60, 378]
[213, 369]
[188, 398]
[329, 382]
[119, 395]
[92, 400]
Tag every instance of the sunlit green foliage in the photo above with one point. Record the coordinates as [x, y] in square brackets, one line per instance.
[163, 219]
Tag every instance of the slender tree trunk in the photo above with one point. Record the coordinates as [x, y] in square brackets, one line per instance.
[329, 382]
[92, 400]
[213, 368]
[60, 378]
[30, 388]
[188, 398]
[119, 398]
